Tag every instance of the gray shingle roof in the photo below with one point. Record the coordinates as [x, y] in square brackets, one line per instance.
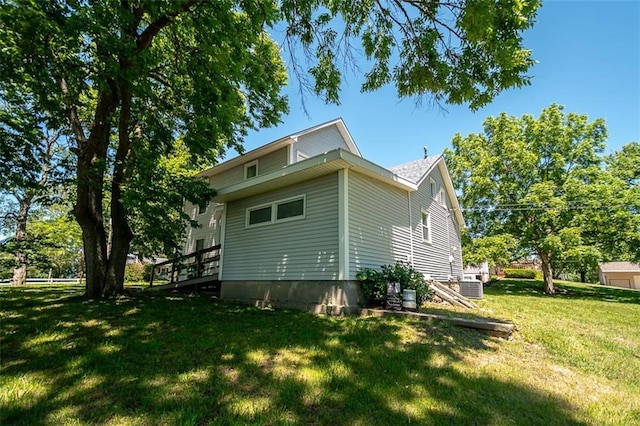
[619, 267]
[415, 170]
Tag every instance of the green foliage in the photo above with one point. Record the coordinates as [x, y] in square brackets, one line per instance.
[54, 244]
[456, 52]
[137, 272]
[494, 249]
[374, 282]
[542, 181]
[520, 273]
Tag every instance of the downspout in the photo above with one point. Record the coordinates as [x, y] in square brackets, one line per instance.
[451, 257]
[410, 229]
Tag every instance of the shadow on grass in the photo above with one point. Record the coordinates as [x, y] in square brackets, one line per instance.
[176, 359]
[535, 288]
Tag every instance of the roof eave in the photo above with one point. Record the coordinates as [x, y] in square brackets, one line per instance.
[323, 164]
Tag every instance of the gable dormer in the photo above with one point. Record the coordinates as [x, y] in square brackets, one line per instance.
[281, 153]
[320, 139]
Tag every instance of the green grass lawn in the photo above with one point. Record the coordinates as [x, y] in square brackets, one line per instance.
[153, 358]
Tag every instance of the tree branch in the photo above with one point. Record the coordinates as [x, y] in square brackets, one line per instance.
[145, 39]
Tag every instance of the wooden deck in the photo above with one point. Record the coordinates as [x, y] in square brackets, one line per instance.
[197, 270]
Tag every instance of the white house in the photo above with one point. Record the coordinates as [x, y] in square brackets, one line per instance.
[298, 217]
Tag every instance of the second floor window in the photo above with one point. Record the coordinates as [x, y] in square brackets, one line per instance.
[251, 169]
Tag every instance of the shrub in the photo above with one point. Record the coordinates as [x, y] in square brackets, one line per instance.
[374, 283]
[134, 272]
[520, 273]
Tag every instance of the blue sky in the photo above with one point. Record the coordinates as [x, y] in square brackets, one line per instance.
[588, 55]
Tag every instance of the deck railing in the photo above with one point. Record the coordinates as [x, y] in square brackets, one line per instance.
[200, 263]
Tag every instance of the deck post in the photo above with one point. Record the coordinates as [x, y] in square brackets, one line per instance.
[198, 264]
[153, 272]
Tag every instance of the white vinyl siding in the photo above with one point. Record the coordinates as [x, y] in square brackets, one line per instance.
[434, 258]
[266, 164]
[319, 142]
[304, 249]
[210, 226]
[378, 224]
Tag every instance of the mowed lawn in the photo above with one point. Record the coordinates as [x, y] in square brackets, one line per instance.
[150, 358]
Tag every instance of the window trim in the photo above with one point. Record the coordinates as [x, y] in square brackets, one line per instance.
[441, 200]
[274, 211]
[433, 187]
[249, 165]
[427, 226]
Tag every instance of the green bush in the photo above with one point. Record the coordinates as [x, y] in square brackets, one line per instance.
[135, 272]
[519, 273]
[374, 282]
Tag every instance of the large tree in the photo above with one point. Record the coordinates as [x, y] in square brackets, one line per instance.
[543, 181]
[129, 76]
[33, 166]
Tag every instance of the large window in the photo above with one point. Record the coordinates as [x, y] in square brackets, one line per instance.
[426, 227]
[278, 211]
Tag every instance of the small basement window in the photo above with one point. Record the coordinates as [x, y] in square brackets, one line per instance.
[278, 211]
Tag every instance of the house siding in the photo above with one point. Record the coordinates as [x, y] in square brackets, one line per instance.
[319, 142]
[378, 224]
[266, 164]
[433, 258]
[621, 279]
[303, 249]
[209, 229]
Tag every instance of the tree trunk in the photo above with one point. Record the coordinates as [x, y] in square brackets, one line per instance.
[547, 272]
[20, 270]
[120, 234]
[89, 208]
[583, 276]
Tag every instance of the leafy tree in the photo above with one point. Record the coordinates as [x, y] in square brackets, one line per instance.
[625, 164]
[494, 249]
[54, 244]
[32, 166]
[130, 76]
[540, 180]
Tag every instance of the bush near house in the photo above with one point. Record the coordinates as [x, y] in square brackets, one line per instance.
[520, 273]
[374, 282]
[137, 272]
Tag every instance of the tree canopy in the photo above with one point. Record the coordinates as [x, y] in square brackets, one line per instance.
[130, 78]
[542, 180]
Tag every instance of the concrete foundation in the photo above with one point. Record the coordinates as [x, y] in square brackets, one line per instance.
[320, 297]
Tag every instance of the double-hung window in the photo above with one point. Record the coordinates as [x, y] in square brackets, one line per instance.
[278, 211]
[425, 223]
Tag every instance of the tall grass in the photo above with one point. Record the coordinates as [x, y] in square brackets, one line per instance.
[182, 359]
